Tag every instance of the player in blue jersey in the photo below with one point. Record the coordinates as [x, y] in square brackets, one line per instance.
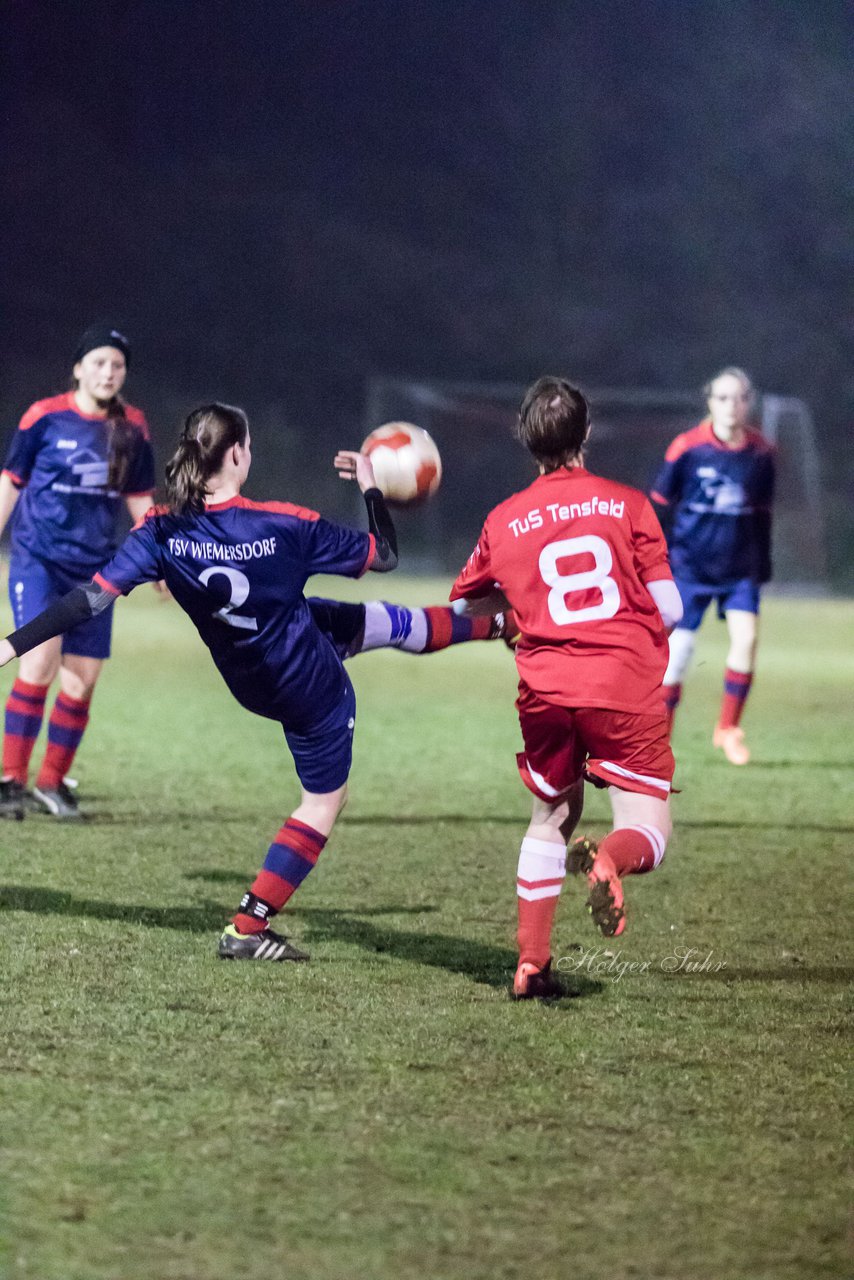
[718, 482]
[238, 568]
[74, 462]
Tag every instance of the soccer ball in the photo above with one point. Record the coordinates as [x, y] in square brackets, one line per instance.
[406, 461]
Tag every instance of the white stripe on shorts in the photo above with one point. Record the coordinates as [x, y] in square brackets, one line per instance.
[636, 777]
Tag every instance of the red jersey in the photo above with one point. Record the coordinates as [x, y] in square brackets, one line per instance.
[572, 553]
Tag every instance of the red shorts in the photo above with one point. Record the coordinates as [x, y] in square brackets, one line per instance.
[623, 749]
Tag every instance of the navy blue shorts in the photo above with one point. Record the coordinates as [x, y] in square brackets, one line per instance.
[33, 585]
[697, 596]
[323, 755]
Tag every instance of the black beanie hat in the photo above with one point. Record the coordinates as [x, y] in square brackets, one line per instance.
[102, 335]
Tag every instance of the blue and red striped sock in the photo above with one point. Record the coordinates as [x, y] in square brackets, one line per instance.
[289, 859]
[736, 688]
[24, 715]
[445, 627]
[65, 728]
[672, 698]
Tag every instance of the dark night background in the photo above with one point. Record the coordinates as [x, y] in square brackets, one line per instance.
[280, 200]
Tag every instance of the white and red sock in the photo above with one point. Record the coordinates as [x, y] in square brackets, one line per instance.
[634, 850]
[539, 880]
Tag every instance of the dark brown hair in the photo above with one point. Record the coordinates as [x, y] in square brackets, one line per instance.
[121, 442]
[553, 422]
[209, 432]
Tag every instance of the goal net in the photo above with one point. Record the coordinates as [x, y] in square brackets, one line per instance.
[472, 424]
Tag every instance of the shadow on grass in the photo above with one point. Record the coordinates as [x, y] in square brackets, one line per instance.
[715, 824]
[481, 962]
[201, 918]
[478, 961]
[829, 974]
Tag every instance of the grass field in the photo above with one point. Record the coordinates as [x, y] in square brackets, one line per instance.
[386, 1112]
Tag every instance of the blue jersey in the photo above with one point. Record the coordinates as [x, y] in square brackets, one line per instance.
[720, 531]
[66, 514]
[239, 569]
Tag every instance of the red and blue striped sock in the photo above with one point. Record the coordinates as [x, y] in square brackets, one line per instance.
[65, 728]
[736, 688]
[445, 627]
[24, 715]
[672, 698]
[289, 859]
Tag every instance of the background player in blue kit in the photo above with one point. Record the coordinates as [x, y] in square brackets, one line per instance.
[238, 568]
[74, 461]
[718, 479]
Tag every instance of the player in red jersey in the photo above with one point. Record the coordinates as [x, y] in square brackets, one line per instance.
[583, 563]
[74, 462]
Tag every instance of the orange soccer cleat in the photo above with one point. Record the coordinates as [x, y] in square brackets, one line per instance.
[605, 899]
[731, 742]
[533, 983]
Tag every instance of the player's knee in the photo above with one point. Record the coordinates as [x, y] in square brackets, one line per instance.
[79, 685]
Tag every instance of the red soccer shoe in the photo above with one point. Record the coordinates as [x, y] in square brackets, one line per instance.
[731, 742]
[605, 899]
[533, 983]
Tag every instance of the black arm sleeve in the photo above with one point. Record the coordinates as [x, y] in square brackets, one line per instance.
[77, 606]
[382, 527]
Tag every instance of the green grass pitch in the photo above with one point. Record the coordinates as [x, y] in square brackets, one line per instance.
[386, 1112]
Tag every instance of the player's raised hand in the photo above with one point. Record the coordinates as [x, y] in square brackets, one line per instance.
[355, 466]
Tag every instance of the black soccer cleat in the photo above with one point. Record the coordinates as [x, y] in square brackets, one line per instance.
[60, 802]
[256, 946]
[12, 799]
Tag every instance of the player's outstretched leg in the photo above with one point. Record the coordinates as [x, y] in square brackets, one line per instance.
[359, 628]
[290, 858]
[394, 626]
[636, 845]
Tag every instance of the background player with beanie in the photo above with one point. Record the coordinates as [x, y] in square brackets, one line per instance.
[73, 462]
[583, 563]
[238, 568]
[717, 481]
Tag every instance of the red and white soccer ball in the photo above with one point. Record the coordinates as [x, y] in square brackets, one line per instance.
[406, 461]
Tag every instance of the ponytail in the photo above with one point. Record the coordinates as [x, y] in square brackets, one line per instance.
[123, 437]
[209, 432]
